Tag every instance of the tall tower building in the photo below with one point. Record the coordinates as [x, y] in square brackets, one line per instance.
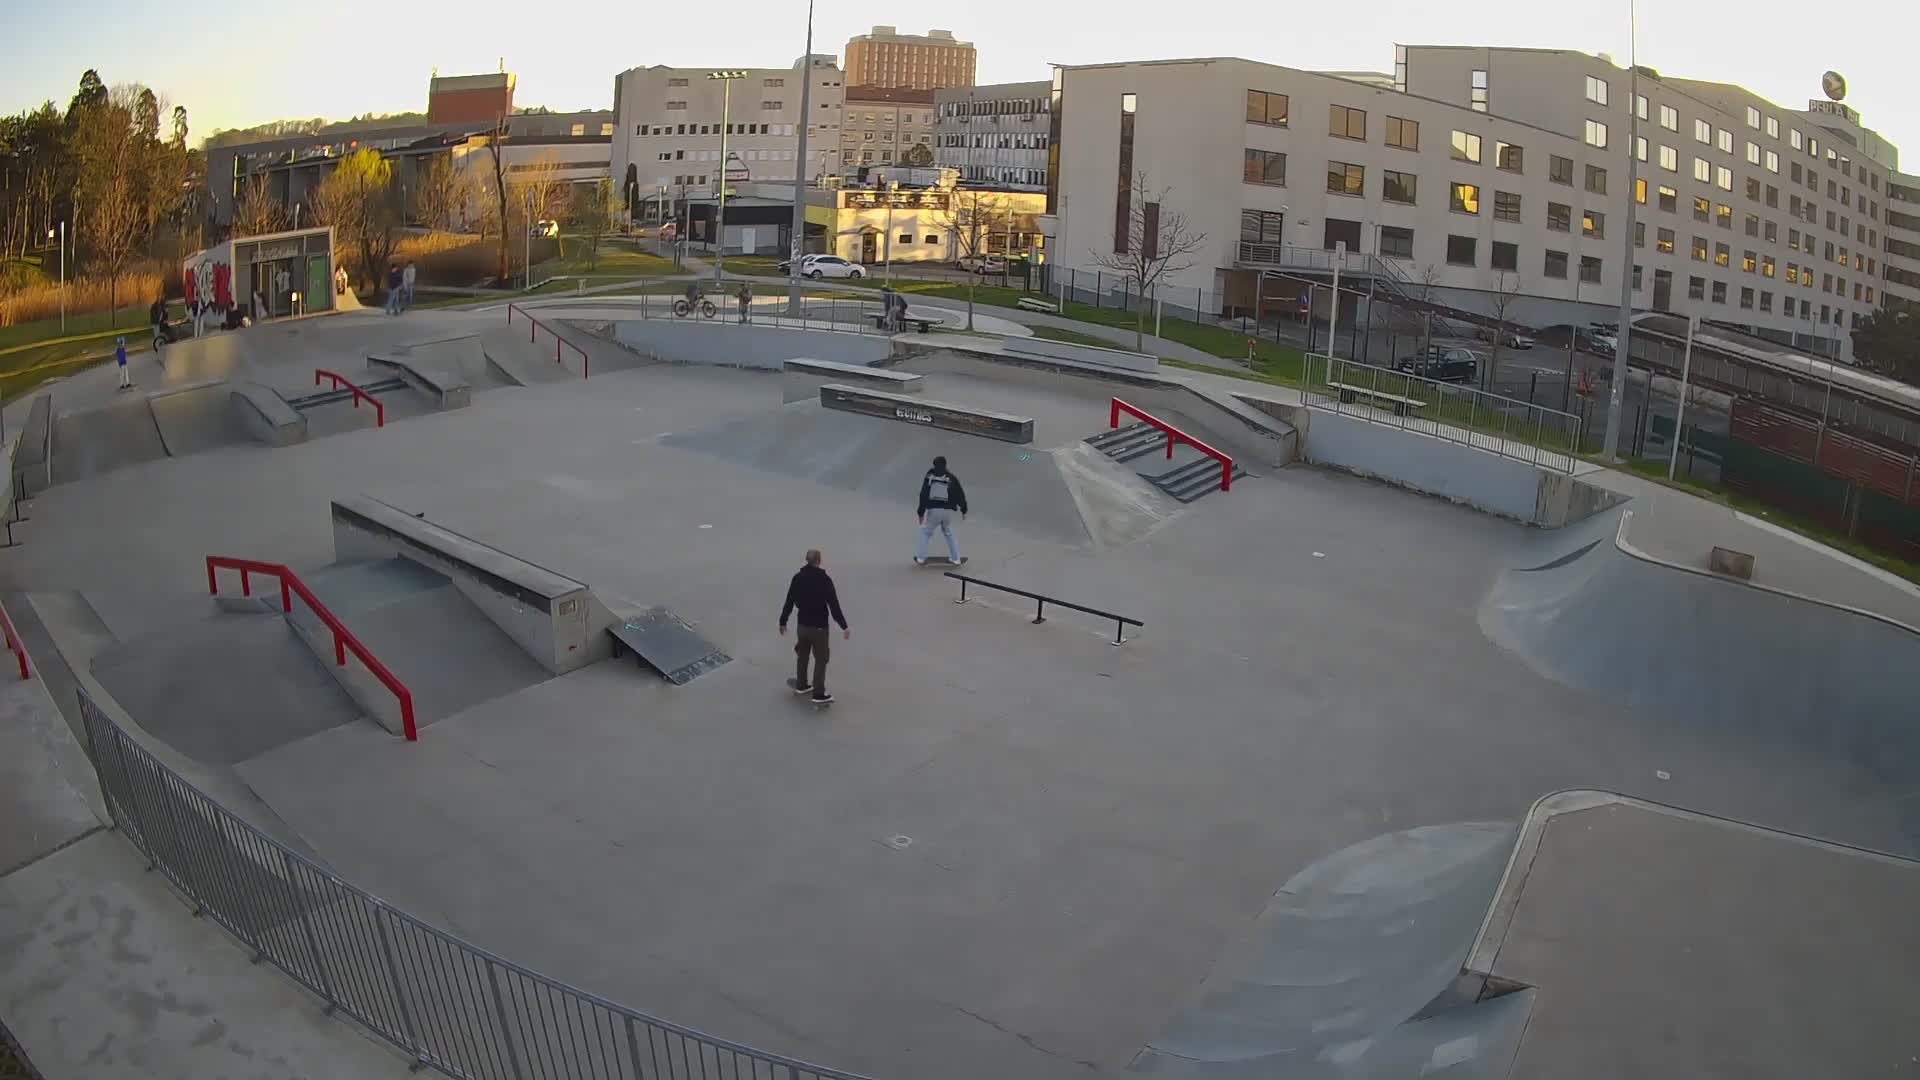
[887, 57]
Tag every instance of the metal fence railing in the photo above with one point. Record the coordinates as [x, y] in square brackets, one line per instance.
[1506, 426]
[449, 1005]
[850, 315]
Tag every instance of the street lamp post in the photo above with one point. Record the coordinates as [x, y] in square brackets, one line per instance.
[797, 243]
[1616, 395]
[725, 78]
[63, 274]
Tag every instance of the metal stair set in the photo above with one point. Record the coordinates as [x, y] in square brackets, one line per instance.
[330, 397]
[1185, 482]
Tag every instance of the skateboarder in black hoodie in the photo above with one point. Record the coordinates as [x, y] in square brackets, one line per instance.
[811, 592]
[940, 495]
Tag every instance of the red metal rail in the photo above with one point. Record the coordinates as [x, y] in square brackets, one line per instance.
[340, 383]
[13, 642]
[534, 326]
[1174, 435]
[343, 639]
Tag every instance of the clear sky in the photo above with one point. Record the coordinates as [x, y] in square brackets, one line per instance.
[233, 64]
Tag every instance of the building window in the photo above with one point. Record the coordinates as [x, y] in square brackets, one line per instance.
[1773, 127]
[1346, 179]
[1669, 118]
[1466, 147]
[676, 106]
[1506, 206]
[1723, 178]
[1466, 198]
[1593, 223]
[1746, 296]
[1766, 266]
[1399, 187]
[1702, 209]
[1460, 250]
[1346, 123]
[1640, 192]
[1766, 301]
[1773, 233]
[1722, 254]
[676, 82]
[1748, 260]
[1404, 134]
[1773, 162]
[1640, 106]
[1773, 196]
[1723, 216]
[1640, 148]
[1559, 217]
[1699, 249]
[1753, 152]
[1753, 224]
[1506, 256]
[1667, 199]
[1596, 90]
[1703, 132]
[1753, 118]
[1560, 169]
[1670, 159]
[1596, 180]
[1556, 264]
[1400, 68]
[1262, 227]
[1509, 157]
[1696, 288]
[1590, 269]
[1702, 170]
[1794, 138]
[1395, 242]
[1265, 167]
[1477, 90]
[1266, 108]
[1596, 134]
[1723, 139]
[1639, 234]
[1663, 241]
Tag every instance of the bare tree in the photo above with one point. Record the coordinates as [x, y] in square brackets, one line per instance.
[501, 216]
[258, 211]
[541, 190]
[107, 151]
[1158, 241]
[357, 198]
[968, 218]
[441, 191]
[1506, 291]
[593, 210]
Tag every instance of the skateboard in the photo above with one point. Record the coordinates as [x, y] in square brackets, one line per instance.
[942, 560]
[795, 687]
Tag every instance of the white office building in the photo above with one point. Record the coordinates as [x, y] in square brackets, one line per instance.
[1474, 174]
[669, 122]
[996, 135]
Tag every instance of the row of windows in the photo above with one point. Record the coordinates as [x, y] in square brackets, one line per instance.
[1016, 140]
[714, 155]
[997, 107]
[1465, 251]
[712, 129]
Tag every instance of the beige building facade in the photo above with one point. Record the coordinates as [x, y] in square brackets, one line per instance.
[886, 57]
[880, 124]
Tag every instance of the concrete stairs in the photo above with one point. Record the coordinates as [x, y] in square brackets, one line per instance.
[1188, 476]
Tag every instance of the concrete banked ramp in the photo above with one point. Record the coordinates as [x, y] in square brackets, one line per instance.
[1715, 654]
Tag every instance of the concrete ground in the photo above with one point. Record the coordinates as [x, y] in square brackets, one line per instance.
[1007, 849]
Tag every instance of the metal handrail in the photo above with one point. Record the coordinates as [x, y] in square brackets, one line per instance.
[14, 645]
[445, 1002]
[533, 330]
[343, 639]
[1174, 434]
[1120, 622]
[1324, 389]
[341, 382]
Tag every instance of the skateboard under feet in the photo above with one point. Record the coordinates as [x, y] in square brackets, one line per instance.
[795, 687]
[941, 560]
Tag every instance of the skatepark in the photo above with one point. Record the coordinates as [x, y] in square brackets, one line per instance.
[1426, 771]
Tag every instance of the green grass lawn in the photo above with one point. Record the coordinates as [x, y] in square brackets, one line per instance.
[131, 319]
[754, 265]
[31, 353]
[617, 258]
[1075, 337]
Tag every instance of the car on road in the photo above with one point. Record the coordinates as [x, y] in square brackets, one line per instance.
[984, 264]
[1602, 337]
[824, 266]
[1441, 364]
[546, 228]
[1513, 340]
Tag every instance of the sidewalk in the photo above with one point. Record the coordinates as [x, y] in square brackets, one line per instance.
[105, 973]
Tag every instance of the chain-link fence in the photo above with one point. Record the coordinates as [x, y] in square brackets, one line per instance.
[449, 1005]
[1511, 428]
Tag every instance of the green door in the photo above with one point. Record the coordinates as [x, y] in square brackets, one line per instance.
[317, 294]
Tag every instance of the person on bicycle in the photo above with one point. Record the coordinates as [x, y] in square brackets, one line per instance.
[746, 300]
[693, 295]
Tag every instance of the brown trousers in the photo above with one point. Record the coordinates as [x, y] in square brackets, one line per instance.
[814, 641]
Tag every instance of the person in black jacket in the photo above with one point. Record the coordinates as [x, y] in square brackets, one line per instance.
[940, 495]
[812, 594]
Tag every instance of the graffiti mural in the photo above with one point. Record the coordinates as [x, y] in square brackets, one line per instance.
[209, 284]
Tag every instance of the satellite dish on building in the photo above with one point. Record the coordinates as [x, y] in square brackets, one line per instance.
[1834, 85]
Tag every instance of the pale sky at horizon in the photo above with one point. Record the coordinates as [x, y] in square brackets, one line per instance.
[361, 57]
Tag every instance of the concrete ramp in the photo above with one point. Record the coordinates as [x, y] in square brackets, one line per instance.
[199, 418]
[95, 441]
[510, 360]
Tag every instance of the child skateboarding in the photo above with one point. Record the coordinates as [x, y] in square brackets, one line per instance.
[812, 594]
[120, 361]
[940, 495]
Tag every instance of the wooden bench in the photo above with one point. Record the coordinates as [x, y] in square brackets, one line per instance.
[1034, 304]
[1350, 393]
[880, 321]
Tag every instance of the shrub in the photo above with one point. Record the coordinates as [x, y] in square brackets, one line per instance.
[463, 259]
[42, 301]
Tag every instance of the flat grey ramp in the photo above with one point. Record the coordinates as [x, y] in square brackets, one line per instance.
[1350, 949]
[1015, 487]
[1716, 655]
[224, 689]
[95, 441]
[666, 643]
[200, 418]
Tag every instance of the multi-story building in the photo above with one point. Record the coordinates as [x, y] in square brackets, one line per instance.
[1902, 252]
[882, 123]
[887, 57]
[455, 99]
[995, 134]
[1487, 179]
[669, 122]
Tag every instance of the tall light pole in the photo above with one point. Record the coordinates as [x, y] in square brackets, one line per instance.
[1616, 396]
[63, 274]
[725, 78]
[798, 240]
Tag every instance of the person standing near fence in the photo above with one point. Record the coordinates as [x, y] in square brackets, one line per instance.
[940, 495]
[406, 284]
[746, 300]
[811, 594]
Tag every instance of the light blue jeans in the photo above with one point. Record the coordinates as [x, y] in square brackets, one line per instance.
[942, 520]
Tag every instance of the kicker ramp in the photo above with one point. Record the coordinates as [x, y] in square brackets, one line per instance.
[557, 620]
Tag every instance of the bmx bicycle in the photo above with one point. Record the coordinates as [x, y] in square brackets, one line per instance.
[684, 307]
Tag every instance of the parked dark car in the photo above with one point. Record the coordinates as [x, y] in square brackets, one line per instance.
[1441, 364]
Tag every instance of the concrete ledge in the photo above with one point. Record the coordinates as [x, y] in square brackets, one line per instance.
[906, 347]
[805, 376]
[686, 341]
[555, 618]
[1125, 359]
[939, 414]
[34, 459]
[267, 415]
[447, 390]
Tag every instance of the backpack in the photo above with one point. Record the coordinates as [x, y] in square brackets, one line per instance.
[937, 486]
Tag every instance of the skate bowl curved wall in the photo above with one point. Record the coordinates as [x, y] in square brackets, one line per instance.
[726, 344]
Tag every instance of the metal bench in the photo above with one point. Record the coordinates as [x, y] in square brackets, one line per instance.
[1349, 393]
[880, 321]
[1032, 304]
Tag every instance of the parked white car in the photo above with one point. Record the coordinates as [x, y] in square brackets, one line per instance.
[826, 266]
[984, 264]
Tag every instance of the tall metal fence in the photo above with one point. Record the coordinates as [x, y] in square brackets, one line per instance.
[1505, 426]
[448, 1004]
[851, 315]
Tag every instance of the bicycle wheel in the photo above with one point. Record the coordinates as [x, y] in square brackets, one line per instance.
[680, 309]
[707, 309]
